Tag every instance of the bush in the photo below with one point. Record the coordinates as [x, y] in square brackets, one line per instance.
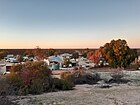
[81, 78]
[4, 87]
[92, 78]
[117, 77]
[66, 75]
[33, 78]
[37, 87]
[133, 66]
[29, 78]
[59, 84]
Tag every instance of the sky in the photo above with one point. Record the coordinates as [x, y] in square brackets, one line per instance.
[68, 23]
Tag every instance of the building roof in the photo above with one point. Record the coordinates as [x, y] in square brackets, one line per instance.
[55, 59]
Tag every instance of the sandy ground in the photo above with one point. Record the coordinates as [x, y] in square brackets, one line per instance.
[85, 95]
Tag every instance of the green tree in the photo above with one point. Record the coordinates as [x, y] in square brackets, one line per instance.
[117, 53]
[85, 52]
[51, 52]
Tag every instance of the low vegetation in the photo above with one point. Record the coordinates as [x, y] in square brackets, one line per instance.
[81, 77]
[117, 77]
[31, 78]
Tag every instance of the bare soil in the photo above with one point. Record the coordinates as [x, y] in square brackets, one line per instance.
[85, 95]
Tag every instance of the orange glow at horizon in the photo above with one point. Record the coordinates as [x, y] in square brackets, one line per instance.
[21, 45]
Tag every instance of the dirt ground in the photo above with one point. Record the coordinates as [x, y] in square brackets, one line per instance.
[85, 95]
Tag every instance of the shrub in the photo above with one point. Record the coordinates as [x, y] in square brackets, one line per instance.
[59, 84]
[34, 78]
[92, 78]
[133, 66]
[29, 78]
[66, 75]
[36, 87]
[81, 78]
[117, 77]
[78, 79]
[4, 87]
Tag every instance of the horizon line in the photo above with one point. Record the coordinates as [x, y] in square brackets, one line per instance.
[63, 48]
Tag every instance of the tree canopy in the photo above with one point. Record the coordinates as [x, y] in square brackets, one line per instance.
[94, 56]
[117, 53]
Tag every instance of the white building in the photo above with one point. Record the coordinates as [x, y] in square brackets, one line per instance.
[85, 63]
[66, 55]
[5, 68]
[54, 62]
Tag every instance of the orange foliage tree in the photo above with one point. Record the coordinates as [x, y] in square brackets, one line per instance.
[94, 56]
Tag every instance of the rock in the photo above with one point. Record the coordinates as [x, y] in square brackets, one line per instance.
[101, 82]
[54, 103]
[103, 85]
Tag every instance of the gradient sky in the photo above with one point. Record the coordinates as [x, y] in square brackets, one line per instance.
[68, 23]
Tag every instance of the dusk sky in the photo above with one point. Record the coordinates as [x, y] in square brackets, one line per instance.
[68, 23]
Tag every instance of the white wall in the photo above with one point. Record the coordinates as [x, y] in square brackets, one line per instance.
[2, 69]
